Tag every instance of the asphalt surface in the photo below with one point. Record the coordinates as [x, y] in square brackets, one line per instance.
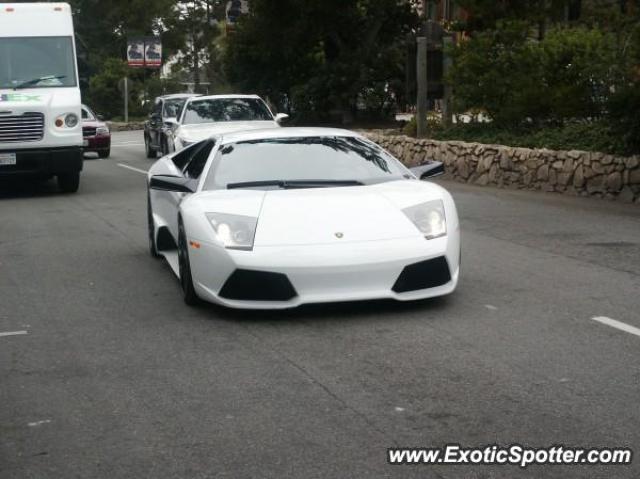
[117, 378]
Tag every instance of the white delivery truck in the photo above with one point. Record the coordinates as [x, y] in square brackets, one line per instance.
[40, 120]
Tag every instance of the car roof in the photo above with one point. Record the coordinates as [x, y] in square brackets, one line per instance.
[176, 95]
[290, 132]
[216, 97]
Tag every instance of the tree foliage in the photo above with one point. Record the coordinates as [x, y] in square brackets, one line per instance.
[321, 56]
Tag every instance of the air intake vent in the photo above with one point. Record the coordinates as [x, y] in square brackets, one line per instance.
[426, 274]
[246, 285]
[18, 128]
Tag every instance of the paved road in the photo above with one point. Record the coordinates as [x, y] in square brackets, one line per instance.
[117, 378]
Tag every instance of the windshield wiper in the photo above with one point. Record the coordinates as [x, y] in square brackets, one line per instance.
[35, 81]
[291, 184]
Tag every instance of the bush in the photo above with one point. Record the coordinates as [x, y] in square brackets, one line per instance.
[587, 136]
[519, 81]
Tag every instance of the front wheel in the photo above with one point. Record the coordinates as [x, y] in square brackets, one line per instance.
[153, 249]
[150, 152]
[69, 182]
[104, 153]
[186, 281]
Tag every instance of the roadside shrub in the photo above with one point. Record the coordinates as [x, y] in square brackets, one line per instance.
[519, 80]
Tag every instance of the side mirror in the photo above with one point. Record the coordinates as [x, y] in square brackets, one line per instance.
[176, 184]
[280, 117]
[428, 169]
[171, 122]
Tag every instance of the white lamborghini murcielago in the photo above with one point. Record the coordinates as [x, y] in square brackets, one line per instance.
[280, 217]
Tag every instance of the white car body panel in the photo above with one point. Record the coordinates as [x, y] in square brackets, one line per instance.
[296, 235]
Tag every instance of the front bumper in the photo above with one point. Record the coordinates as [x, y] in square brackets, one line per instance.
[43, 161]
[326, 273]
[97, 143]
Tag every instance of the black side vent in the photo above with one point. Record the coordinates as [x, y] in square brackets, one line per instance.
[426, 274]
[247, 285]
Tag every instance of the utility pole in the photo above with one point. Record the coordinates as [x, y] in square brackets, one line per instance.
[421, 68]
[125, 88]
[447, 44]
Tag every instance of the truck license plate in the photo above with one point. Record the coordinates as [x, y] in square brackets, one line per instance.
[7, 159]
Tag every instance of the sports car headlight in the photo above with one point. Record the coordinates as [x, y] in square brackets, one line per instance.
[234, 231]
[429, 218]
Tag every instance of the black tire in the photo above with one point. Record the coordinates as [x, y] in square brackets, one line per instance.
[104, 153]
[69, 182]
[186, 281]
[153, 249]
[150, 152]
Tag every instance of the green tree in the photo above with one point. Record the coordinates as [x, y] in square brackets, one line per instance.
[321, 56]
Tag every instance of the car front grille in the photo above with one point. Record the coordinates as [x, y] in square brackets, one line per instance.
[88, 131]
[19, 128]
[425, 274]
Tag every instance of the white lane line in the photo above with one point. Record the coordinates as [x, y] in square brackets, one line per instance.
[132, 143]
[627, 328]
[39, 423]
[132, 168]
[490, 307]
[13, 333]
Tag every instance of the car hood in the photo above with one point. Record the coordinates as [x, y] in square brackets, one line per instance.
[202, 131]
[325, 215]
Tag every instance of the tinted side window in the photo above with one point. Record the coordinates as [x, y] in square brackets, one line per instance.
[181, 159]
[199, 160]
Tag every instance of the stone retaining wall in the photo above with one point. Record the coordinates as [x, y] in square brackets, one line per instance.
[570, 172]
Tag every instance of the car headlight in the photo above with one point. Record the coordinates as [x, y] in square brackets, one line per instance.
[102, 130]
[429, 218]
[234, 231]
[70, 120]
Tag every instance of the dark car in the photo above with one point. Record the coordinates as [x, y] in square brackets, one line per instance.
[166, 109]
[95, 134]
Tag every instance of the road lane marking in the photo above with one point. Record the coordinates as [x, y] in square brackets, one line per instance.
[13, 333]
[133, 168]
[128, 143]
[627, 328]
[490, 307]
[39, 423]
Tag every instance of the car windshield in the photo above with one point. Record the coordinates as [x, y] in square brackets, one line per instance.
[37, 62]
[173, 107]
[302, 162]
[226, 109]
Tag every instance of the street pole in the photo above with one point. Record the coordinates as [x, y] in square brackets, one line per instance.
[421, 113]
[421, 73]
[126, 99]
[447, 44]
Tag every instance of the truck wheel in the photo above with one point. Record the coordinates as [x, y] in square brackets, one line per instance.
[104, 153]
[69, 182]
[151, 153]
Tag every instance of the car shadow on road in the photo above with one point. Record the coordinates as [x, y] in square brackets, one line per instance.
[353, 310]
[11, 188]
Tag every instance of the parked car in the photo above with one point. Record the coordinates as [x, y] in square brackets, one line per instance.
[203, 116]
[95, 134]
[165, 113]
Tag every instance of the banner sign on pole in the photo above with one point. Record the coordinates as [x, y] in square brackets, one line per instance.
[153, 52]
[144, 52]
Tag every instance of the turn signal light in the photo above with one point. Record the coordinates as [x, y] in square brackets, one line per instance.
[59, 122]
